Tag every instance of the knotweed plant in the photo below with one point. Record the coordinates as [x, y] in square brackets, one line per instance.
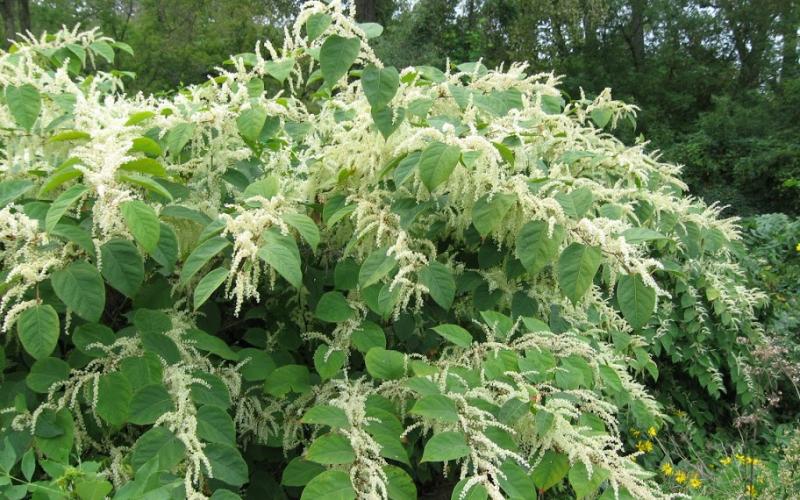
[317, 276]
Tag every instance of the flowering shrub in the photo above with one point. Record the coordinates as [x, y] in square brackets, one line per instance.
[366, 281]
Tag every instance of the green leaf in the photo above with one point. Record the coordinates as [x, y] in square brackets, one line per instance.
[93, 489]
[516, 482]
[551, 105]
[63, 174]
[367, 336]
[387, 119]
[438, 278]
[227, 464]
[138, 117]
[45, 372]
[336, 56]
[576, 269]
[81, 288]
[145, 166]
[377, 265]
[104, 50]
[61, 204]
[38, 329]
[330, 485]
[114, 398]
[211, 343]
[385, 364]
[331, 416]
[281, 253]
[436, 163]
[142, 222]
[476, 492]
[371, 30]
[158, 442]
[601, 116]
[149, 403]
[636, 300]
[208, 285]
[11, 190]
[214, 425]
[454, 334]
[166, 252]
[266, 187]
[92, 333]
[24, 103]
[406, 167]
[178, 137]
[58, 446]
[445, 446]
[280, 70]
[436, 406]
[306, 227]
[250, 123]
[551, 470]
[380, 85]
[286, 379]
[331, 449]
[400, 485]
[333, 308]
[69, 135]
[123, 266]
[28, 464]
[147, 146]
[576, 203]
[488, 213]
[642, 234]
[582, 483]
[317, 24]
[147, 183]
[535, 248]
[299, 472]
[328, 365]
[200, 257]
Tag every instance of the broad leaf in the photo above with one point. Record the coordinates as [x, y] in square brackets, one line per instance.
[81, 288]
[436, 163]
[142, 222]
[576, 269]
[336, 56]
[636, 300]
[445, 446]
[38, 329]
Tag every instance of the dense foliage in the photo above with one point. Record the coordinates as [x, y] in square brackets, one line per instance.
[366, 282]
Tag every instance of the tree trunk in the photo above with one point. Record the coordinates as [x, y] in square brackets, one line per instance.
[24, 15]
[789, 24]
[365, 11]
[9, 21]
[636, 33]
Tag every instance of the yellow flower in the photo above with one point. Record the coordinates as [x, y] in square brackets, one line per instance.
[739, 457]
[666, 469]
[680, 477]
[797, 248]
[750, 490]
[695, 482]
[725, 461]
[635, 433]
[652, 431]
[645, 446]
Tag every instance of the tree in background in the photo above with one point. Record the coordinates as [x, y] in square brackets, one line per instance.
[16, 17]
